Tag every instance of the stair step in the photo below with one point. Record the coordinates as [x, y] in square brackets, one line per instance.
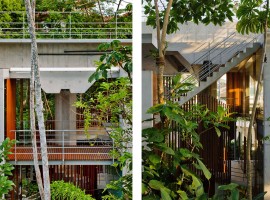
[215, 75]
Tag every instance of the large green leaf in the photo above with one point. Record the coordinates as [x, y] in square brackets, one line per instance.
[176, 79]
[182, 194]
[144, 188]
[235, 194]
[153, 134]
[230, 186]
[155, 159]
[155, 108]
[206, 172]
[218, 132]
[155, 184]
[196, 185]
[164, 194]
[166, 149]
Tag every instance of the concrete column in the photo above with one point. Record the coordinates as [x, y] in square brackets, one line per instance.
[266, 94]
[65, 116]
[147, 96]
[3, 75]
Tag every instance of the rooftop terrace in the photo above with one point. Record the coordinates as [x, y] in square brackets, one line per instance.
[66, 25]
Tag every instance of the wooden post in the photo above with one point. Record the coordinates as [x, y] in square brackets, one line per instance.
[10, 107]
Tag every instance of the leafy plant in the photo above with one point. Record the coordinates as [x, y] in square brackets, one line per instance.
[118, 56]
[62, 190]
[113, 102]
[169, 173]
[30, 187]
[5, 168]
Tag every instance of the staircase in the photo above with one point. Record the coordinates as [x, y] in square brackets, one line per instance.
[219, 60]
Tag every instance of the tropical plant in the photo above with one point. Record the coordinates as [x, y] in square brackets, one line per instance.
[5, 168]
[116, 55]
[61, 190]
[113, 102]
[253, 17]
[30, 187]
[168, 173]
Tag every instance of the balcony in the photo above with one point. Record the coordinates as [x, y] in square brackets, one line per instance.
[65, 147]
[65, 25]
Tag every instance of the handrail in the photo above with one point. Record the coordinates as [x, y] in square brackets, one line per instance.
[214, 48]
[229, 52]
[65, 27]
[65, 145]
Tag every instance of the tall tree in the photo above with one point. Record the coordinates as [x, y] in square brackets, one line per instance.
[164, 15]
[36, 89]
[32, 117]
[253, 17]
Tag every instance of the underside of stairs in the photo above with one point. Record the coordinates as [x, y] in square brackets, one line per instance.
[210, 73]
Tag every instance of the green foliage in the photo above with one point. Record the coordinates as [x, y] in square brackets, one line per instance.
[62, 190]
[167, 172]
[30, 187]
[205, 11]
[66, 19]
[5, 168]
[118, 56]
[252, 15]
[113, 102]
[123, 186]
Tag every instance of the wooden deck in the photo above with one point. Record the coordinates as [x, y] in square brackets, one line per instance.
[58, 153]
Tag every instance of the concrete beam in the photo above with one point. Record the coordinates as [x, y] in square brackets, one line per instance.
[54, 79]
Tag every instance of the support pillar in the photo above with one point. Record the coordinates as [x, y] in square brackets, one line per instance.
[148, 96]
[266, 94]
[65, 116]
[11, 107]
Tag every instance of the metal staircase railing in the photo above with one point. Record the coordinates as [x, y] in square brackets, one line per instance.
[217, 56]
[216, 59]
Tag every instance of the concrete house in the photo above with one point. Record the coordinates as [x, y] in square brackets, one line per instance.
[67, 59]
[224, 66]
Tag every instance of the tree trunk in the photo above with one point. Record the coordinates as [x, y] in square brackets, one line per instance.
[160, 61]
[100, 10]
[161, 42]
[33, 121]
[33, 133]
[118, 6]
[249, 136]
[39, 107]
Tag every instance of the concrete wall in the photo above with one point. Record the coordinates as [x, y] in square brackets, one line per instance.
[18, 55]
[193, 41]
[147, 96]
[191, 32]
[149, 63]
